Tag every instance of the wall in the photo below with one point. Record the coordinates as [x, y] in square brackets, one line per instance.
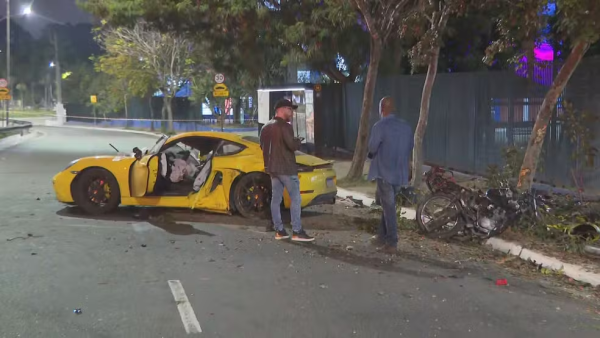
[473, 116]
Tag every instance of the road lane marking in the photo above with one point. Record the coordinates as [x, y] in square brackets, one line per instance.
[188, 317]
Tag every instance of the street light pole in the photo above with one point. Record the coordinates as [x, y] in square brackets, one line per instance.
[57, 74]
[8, 57]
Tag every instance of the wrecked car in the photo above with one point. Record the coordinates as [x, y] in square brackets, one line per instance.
[211, 171]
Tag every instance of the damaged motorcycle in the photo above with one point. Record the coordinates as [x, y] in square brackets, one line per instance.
[475, 213]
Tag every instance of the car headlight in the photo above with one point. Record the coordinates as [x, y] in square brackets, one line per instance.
[70, 165]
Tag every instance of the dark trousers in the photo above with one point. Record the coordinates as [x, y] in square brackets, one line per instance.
[388, 228]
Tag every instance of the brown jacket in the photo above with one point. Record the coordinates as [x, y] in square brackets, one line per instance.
[278, 145]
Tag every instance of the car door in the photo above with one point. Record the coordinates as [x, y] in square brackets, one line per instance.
[144, 173]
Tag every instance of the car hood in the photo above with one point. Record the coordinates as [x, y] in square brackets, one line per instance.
[115, 158]
[309, 160]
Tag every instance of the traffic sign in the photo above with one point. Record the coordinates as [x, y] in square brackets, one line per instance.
[93, 99]
[5, 94]
[3, 83]
[219, 78]
[220, 90]
[318, 88]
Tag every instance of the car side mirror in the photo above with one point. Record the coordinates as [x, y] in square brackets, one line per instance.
[137, 153]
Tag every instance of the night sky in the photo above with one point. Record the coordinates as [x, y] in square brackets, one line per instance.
[64, 11]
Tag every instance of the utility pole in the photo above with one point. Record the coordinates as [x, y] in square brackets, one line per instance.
[8, 58]
[57, 73]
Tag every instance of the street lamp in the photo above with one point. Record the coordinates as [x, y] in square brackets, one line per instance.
[26, 11]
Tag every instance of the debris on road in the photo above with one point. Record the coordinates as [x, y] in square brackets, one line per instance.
[501, 282]
[77, 311]
[23, 238]
[144, 245]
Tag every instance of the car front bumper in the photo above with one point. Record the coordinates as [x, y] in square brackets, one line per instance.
[61, 183]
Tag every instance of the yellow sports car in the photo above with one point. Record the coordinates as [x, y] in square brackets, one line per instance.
[211, 171]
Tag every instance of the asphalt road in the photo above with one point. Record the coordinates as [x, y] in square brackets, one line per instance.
[239, 281]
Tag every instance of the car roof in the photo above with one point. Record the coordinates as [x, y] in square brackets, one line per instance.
[214, 134]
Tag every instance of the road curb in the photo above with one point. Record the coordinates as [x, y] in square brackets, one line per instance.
[407, 213]
[17, 139]
[574, 271]
[107, 129]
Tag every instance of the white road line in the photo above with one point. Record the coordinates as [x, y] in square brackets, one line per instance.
[188, 317]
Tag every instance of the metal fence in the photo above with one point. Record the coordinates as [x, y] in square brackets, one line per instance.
[473, 116]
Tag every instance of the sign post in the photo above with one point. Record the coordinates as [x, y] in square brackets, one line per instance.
[5, 95]
[94, 100]
[221, 90]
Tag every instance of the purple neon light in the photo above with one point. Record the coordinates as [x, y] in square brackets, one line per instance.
[544, 52]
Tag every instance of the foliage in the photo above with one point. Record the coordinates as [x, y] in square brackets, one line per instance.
[465, 42]
[579, 128]
[428, 27]
[500, 177]
[568, 223]
[236, 32]
[322, 33]
[517, 21]
[148, 58]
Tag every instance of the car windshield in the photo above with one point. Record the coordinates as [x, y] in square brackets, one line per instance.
[161, 141]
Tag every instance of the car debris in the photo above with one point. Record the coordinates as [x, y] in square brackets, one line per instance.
[23, 238]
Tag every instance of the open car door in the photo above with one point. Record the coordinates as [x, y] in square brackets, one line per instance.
[145, 172]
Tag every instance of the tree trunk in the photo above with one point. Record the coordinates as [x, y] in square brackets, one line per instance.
[360, 152]
[536, 140]
[163, 115]
[126, 112]
[237, 111]
[417, 165]
[168, 101]
[32, 85]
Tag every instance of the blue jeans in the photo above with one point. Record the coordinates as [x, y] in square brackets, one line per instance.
[292, 184]
[388, 228]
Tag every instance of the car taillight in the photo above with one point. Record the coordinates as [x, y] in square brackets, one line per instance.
[306, 168]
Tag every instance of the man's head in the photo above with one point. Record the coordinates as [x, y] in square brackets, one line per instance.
[285, 109]
[386, 106]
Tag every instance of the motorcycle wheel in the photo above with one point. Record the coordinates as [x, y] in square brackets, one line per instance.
[444, 201]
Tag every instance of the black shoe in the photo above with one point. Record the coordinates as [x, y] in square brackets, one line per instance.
[282, 234]
[301, 237]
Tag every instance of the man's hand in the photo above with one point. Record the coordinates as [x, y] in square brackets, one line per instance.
[298, 141]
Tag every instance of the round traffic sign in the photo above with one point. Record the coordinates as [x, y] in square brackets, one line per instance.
[219, 78]
[3, 83]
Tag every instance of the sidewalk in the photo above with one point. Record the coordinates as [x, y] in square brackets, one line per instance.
[365, 192]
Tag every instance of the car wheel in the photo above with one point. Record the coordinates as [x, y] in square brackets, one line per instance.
[97, 192]
[252, 196]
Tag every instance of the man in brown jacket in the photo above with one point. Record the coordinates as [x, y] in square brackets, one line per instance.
[278, 144]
